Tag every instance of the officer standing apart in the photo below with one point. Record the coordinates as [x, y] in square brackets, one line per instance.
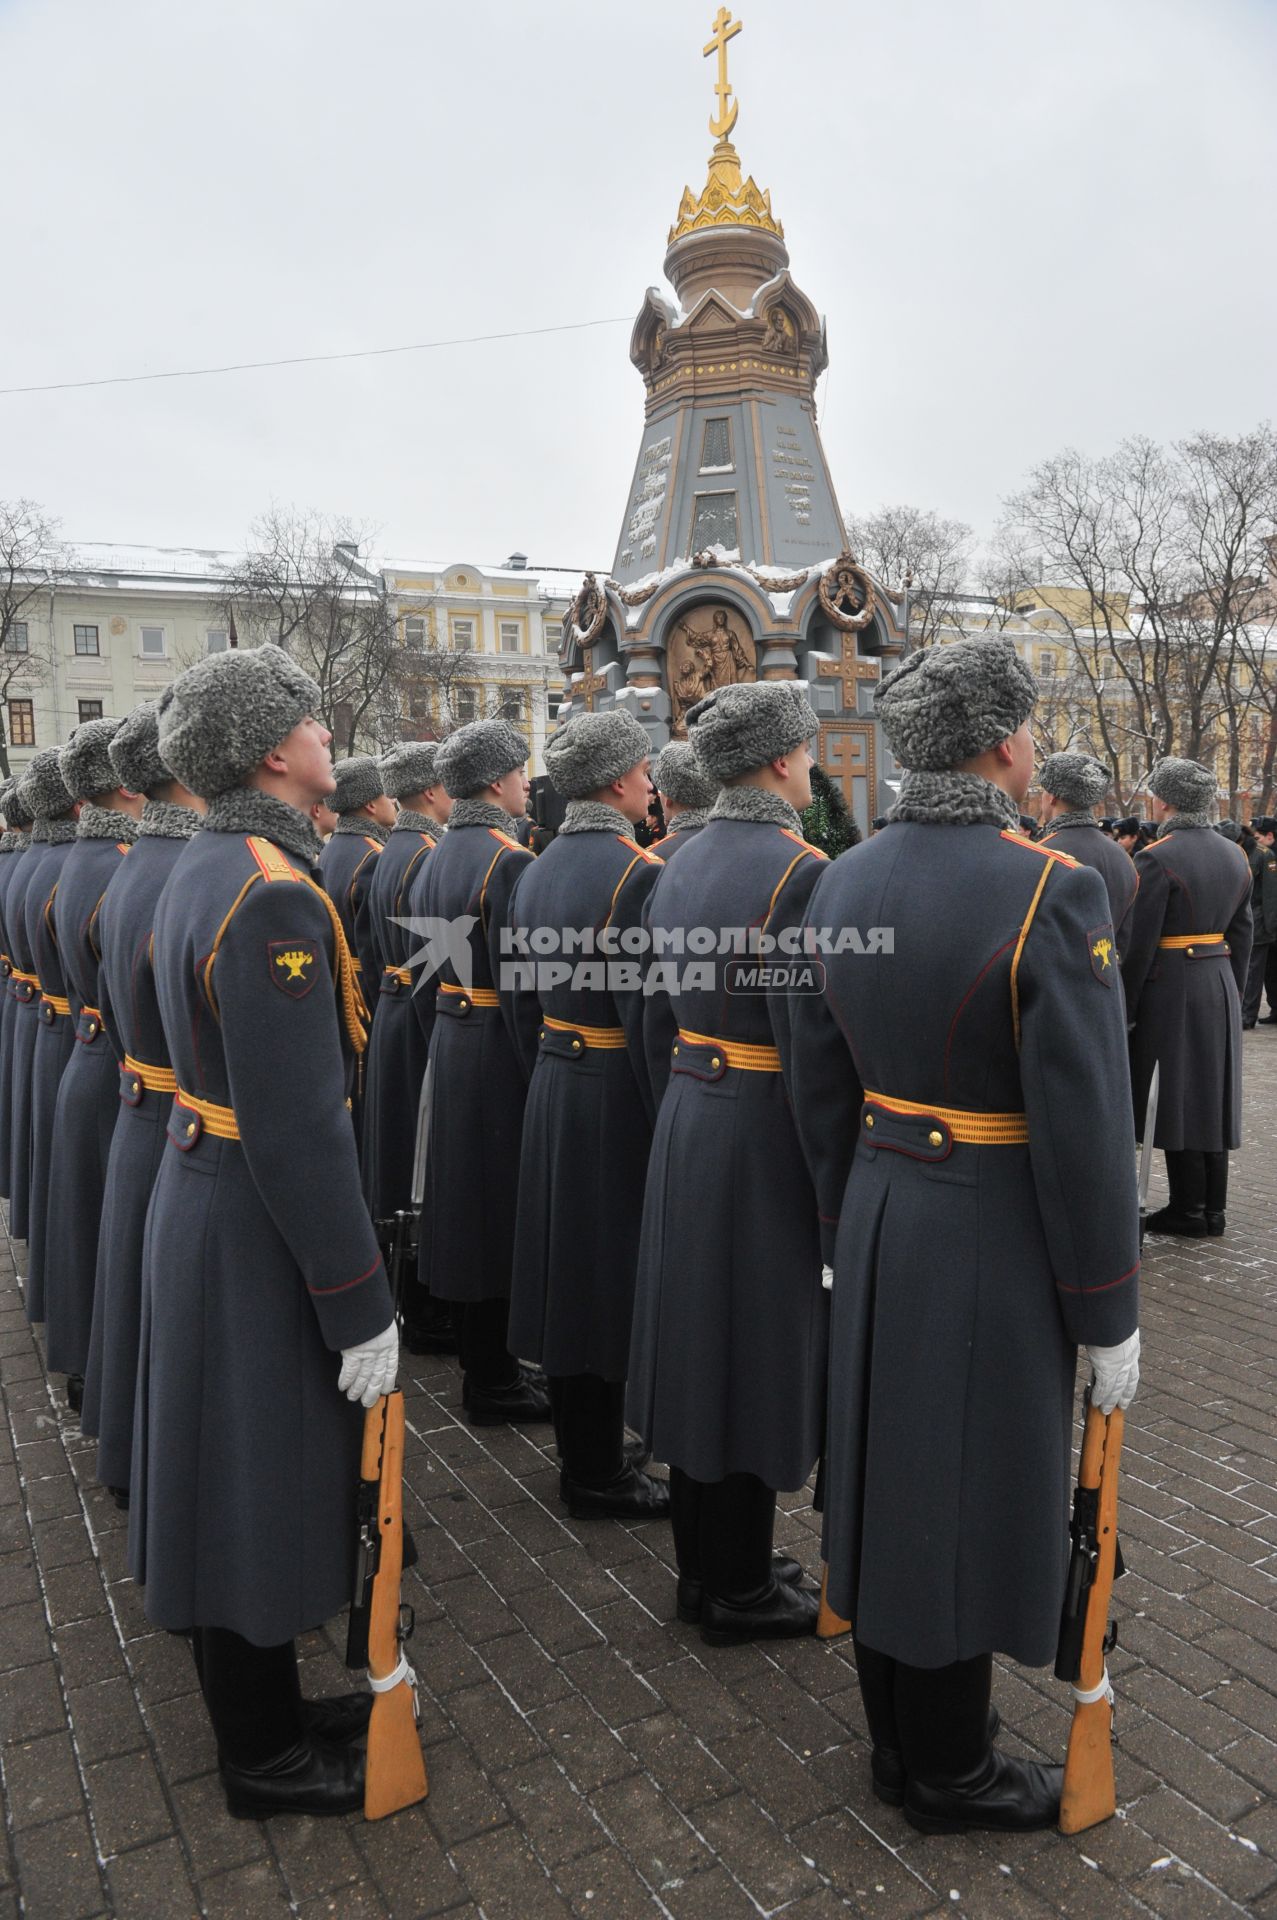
[88, 1094]
[1263, 907]
[1072, 783]
[727, 1363]
[475, 1104]
[963, 1098]
[141, 1085]
[686, 793]
[587, 1125]
[257, 1274]
[1184, 971]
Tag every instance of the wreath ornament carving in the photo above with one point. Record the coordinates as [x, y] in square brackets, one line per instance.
[587, 613]
[847, 594]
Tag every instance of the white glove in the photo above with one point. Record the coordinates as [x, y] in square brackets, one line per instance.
[1115, 1374]
[368, 1370]
[827, 1279]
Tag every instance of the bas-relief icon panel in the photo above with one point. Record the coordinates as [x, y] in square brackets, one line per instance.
[710, 646]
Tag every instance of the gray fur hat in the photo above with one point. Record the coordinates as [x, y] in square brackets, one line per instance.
[477, 754]
[678, 773]
[1186, 785]
[592, 749]
[42, 789]
[358, 780]
[1077, 778]
[409, 767]
[219, 718]
[17, 815]
[738, 729]
[945, 704]
[135, 750]
[85, 761]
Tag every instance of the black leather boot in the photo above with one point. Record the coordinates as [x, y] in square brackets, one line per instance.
[741, 1597]
[521, 1402]
[780, 1612]
[340, 1719]
[1001, 1795]
[75, 1392]
[630, 1496]
[1185, 1213]
[1187, 1226]
[691, 1592]
[887, 1767]
[307, 1778]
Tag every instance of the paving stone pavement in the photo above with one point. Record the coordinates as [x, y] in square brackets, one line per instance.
[590, 1757]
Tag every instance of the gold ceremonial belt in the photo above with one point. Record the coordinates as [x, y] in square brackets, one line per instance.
[607, 1039]
[967, 1127]
[402, 974]
[58, 1004]
[1185, 942]
[737, 1053]
[154, 1079]
[219, 1121]
[477, 996]
[30, 979]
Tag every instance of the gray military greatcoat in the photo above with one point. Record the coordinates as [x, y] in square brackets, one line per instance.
[398, 1042]
[126, 983]
[477, 1087]
[586, 1126]
[54, 1039]
[727, 1358]
[260, 1264]
[1184, 999]
[26, 1000]
[88, 1095]
[966, 1270]
[9, 867]
[1084, 842]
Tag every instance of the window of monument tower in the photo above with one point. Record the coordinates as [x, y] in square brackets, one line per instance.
[714, 522]
[716, 446]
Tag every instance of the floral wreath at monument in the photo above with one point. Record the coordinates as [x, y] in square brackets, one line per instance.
[845, 590]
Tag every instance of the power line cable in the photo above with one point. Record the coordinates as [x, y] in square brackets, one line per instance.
[315, 359]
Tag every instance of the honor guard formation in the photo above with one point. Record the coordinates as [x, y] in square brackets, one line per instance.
[740, 1168]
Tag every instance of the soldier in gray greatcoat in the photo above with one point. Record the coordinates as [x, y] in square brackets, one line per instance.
[141, 1080]
[1073, 784]
[24, 992]
[88, 1094]
[56, 810]
[574, 992]
[400, 1039]
[365, 814]
[962, 1093]
[265, 1308]
[686, 792]
[15, 841]
[1184, 969]
[727, 1357]
[476, 1088]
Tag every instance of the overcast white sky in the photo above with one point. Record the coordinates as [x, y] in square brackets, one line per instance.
[1029, 224]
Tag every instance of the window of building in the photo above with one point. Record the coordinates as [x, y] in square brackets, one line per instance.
[714, 523]
[514, 705]
[22, 723]
[414, 632]
[153, 643]
[463, 635]
[86, 640]
[465, 701]
[216, 640]
[90, 710]
[553, 635]
[18, 638]
[1046, 665]
[716, 446]
[510, 636]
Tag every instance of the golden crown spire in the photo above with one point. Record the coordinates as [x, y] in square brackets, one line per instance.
[725, 200]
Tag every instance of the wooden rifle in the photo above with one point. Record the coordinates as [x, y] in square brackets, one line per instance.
[395, 1774]
[1090, 1793]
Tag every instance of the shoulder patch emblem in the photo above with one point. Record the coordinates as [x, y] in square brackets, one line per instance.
[1039, 846]
[1103, 953]
[292, 967]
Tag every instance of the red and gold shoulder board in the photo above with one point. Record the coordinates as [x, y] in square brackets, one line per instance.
[644, 853]
[806, 845]
[1037, 846]
[505, 839]
[270, 860]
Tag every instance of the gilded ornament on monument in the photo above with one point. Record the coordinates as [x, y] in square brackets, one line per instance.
[709, 647]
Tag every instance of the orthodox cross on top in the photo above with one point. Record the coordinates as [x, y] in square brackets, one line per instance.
[725, 29]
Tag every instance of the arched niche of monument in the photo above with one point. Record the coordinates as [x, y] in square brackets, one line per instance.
[656, 317]
[710, 638]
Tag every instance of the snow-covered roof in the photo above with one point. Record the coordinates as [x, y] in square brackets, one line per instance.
[203, 563]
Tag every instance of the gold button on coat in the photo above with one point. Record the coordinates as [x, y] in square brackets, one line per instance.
[936, 1139]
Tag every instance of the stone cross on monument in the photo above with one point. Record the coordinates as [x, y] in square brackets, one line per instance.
[725, 29]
